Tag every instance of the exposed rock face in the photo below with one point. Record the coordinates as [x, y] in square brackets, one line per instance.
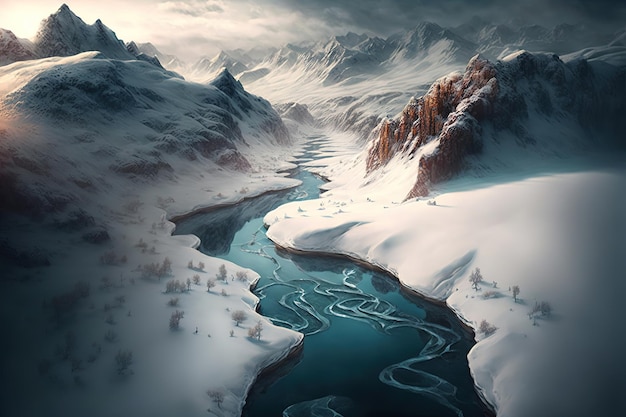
[13, 49]
[506, 95]
[449, 109]
[64, 34]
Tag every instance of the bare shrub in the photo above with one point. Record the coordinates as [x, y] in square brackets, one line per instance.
[175, 319]
[224, 293]
[188, 282]
[120, 300]
[110, 336]
[108, 258]
[173, 302]
[201, 266]
[190, 264]
[110, 319]
[490, 294]
[238, 316]
[255, 332]
[242, 276]
[486, 328]
[217, 397]
[545, 308]
[123, 361]
[196, 279]
[210, 283]
[158, 270]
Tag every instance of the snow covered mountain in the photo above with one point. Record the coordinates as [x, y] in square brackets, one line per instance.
[206, 68]
[161, 123]
[13, 49]
[64, 34]
[97, 150]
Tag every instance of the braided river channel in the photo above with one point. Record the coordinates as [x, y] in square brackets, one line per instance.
[371, 348]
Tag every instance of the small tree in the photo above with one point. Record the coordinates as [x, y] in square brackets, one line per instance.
[210, 283]
[173, 302]
[175, 319]
[201, 266]
[217, 396]
[190, 264]
[188, 284]
[255, 332]
[222, 273]
[475, 278]
[123, 360]
[238, 316]
[515, 292]
[196, 279]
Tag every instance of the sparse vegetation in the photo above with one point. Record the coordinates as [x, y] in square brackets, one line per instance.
[64, 303]
[175, 319]
[188, 284]
[123, 361]
[158, 270]
[196, 279]
[238, 316]
[201, 266]
[255, 332]
[173, 302]
[210, 283]
[190, 264]
[486, 328]
[476, 278]
[110, 336]
[515, 290]
[490, 294]
[217, 397]
[174, 285]
[224, 293]
[222, 273]
[242, 276]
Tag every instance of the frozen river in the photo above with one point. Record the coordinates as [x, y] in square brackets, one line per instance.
[370, 348]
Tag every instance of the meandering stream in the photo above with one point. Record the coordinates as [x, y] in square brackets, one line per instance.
[370, 348]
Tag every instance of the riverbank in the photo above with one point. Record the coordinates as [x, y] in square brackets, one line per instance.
[513, 242]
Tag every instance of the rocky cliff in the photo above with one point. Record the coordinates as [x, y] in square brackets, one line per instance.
[509, 95]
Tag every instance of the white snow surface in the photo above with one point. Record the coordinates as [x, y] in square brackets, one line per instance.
[558, 235]
[68, 363]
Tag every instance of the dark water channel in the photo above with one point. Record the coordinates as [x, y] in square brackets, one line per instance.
[370, 348]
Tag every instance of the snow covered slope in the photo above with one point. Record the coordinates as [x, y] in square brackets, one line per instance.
[96, 153]
[513, 112]
[13, 49]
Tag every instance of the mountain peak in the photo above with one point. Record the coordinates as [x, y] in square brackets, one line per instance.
[226, 83]
[64, 33]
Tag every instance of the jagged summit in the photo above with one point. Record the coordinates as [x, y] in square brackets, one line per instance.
[13, 49]
[226, 83]
[63, 33]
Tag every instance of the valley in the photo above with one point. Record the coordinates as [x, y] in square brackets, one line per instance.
[428, 222]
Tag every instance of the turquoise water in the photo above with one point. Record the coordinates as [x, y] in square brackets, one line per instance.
[370, 348]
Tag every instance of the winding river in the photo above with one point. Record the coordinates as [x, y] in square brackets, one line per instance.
[371, 348]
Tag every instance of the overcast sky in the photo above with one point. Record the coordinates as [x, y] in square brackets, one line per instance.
[191, 28]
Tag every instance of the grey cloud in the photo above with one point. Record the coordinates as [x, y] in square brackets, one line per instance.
[385, 17]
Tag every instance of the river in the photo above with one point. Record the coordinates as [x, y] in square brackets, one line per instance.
[371, 348]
